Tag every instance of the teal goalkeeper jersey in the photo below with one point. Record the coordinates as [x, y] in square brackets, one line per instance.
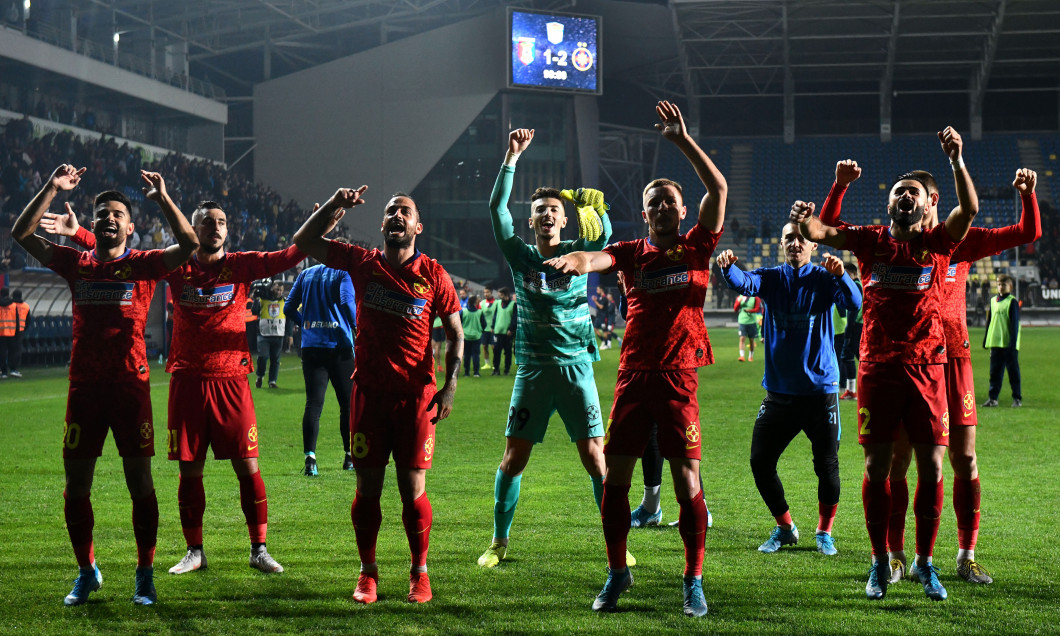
[554, 328]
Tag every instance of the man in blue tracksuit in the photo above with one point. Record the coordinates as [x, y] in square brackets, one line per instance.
[801, 375]
[328, 321]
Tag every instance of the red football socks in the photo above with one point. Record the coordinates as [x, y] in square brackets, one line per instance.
[191, 503]
[966, 495]
[876, 499]
[692, 523]
[366, 516]
[927, 509]
[899, 506]
[417, 517]
[615, 515]
[826, 516]
[145, 529]
[79, 524]
[255, 506]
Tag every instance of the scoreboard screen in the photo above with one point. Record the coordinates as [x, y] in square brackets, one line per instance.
[553, 51]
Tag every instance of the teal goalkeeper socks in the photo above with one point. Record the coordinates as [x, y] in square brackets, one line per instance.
[598, 489]
[506, 497]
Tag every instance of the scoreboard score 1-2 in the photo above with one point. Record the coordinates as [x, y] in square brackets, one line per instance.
[554, 52]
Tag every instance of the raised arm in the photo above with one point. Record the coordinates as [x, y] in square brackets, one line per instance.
[812, 228]
[712, 207]
[847, 295]
[175, 255]
[747, 283]
[454, 351]
[958, 223]
[503, 226]
[310, 238]
[582, 262]
[594, 227]
[66, 224]
[846, 172]
[65, 178]
[994, 241]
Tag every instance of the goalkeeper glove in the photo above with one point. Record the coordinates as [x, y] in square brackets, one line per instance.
[590, 206]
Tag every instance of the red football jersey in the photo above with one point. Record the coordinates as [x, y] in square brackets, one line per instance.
[665, 294]
[902, 283]
[395, 309]
[110, 302]
[209, 303]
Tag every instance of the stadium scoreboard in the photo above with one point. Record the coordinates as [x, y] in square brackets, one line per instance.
[553, 51]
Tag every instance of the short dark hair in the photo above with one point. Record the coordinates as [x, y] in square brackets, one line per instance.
[1004, 278]
[656, 183]
[505, 291]
[112, 195]
[415, 206]
[200, 211]
[922, 177]
[546, 193]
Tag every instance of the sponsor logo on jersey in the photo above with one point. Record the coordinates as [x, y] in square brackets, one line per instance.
[786, 321]
[394, 302]
[545, 282]
[904, 277]
[201, 297]
[661, 280]
[103, 292]
[320, 324]
[951, 274]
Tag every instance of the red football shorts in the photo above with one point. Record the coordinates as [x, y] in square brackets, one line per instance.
[217, 412]
[960, 392]
[667, 398]
[93, 408]
[894, 395]
[382, 423]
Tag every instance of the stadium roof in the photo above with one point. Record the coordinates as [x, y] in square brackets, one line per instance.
[719, 48]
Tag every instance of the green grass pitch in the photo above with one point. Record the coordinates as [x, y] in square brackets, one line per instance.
[556, 563]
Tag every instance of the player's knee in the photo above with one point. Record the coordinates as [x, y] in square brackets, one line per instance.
[964, 464]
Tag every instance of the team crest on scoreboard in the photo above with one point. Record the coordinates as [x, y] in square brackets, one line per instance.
[525, 50]
[428, 447]
[676, 253]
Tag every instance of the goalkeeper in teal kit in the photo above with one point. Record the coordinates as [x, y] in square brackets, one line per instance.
[554, 342]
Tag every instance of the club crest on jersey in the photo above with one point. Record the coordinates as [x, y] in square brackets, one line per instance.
[889, 276]
[969, 403]
[662, 279]
[208, 297]
[146, 430]
[676, 253]
[946, 424]
[428, 447]
[922, 256]
[224, 274]
[252, 434]
[103, 293]
[421, 286]
[692, 432]
[394, 302]
[123, 271]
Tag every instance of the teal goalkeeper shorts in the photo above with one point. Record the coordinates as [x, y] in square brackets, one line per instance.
[541, 391]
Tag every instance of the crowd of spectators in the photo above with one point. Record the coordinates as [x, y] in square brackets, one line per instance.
[258, 217]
